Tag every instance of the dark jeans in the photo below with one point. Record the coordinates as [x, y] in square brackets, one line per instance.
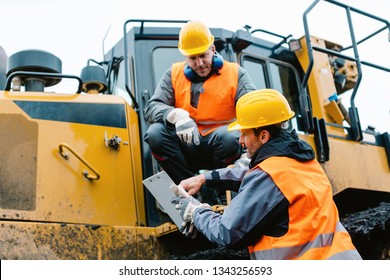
[181, 161]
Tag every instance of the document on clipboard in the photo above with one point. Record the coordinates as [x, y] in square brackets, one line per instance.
[159, 186]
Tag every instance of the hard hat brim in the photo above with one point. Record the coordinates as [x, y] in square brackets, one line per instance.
[196, 51]
[234, 126]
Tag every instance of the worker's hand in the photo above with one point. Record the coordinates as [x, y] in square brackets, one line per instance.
[186, 128]
[179, 191]
[186, 207]
[188, 229]
[193, 184]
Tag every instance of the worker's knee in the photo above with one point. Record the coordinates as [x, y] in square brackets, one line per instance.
[153, 135]
[229, 140]
[158, 136]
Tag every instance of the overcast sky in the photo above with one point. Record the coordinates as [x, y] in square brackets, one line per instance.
[74, 31]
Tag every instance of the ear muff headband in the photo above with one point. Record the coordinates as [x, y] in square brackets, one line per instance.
[217, 64]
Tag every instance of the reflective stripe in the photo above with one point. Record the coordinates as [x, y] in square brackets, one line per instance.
[323, 240]
[207, 127]
[293, 252]
[346, 255]
[217, 122]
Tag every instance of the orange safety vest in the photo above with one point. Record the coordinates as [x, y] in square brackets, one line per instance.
[217, 102]
[314, 231]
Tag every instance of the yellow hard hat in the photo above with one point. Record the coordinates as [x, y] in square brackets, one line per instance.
[194, 38]
[261, 108]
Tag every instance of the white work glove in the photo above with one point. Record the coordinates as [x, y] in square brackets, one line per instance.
[186, 228]
[189, 230]
[179, 191]
[186, 207]
[186, 128]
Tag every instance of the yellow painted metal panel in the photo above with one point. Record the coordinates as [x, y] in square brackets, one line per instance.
[334, 112]
[320, 83]
[355, 165]
[59, 192]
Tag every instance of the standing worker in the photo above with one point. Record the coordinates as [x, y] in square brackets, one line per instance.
[192, 106]
[284, 208]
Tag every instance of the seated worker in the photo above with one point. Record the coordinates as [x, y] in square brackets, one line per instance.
[192, 106]
[284, 208]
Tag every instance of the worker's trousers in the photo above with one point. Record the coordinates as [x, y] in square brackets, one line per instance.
[181, 161]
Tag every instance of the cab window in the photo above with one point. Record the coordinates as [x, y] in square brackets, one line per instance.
[267, 73]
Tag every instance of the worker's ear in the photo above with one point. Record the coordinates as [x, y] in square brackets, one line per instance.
[264, 136]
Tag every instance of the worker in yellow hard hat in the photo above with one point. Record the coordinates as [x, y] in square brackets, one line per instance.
[284, 208]
[195, 38]
[193, 104]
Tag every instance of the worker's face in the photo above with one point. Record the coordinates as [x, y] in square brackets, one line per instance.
[202, 63]
[253, 142]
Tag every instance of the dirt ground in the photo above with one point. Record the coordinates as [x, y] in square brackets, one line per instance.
[370, 231]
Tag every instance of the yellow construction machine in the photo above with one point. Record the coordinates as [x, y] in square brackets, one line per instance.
[72, 164]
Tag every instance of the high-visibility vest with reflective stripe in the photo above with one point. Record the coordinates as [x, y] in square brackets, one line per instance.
[314, 230]
[216, 104]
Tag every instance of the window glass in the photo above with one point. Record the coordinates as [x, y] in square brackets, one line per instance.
[267, 74]
[162, 60]
[285, 81]
[118, 82]
[256, 72]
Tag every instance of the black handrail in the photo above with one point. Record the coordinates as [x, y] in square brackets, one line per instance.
[284, 38]
[41, 74]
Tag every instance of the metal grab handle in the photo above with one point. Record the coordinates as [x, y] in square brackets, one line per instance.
[86, 163]
[42, 74]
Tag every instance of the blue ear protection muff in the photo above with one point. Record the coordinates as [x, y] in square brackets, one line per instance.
[217, 64]
[217, 61]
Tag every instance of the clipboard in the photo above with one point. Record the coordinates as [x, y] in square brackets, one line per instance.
[159, 186]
